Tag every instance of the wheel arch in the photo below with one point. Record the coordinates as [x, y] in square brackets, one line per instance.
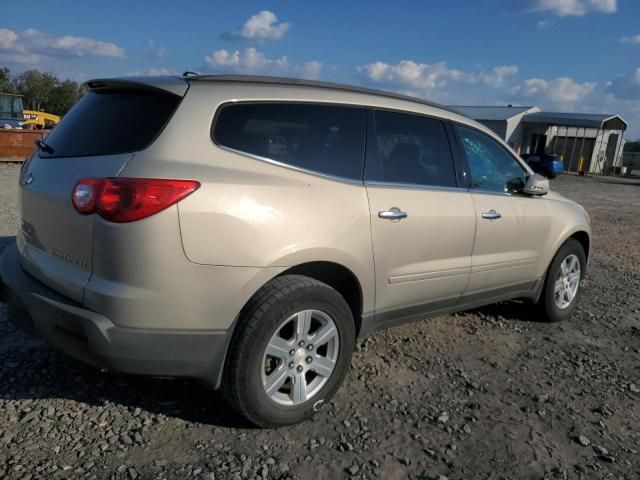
[583, 238]
[338, 277]
[334, 274]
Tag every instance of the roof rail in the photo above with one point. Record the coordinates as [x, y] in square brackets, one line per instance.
[315, 84]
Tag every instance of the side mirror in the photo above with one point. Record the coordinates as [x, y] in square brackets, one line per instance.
[536, 185]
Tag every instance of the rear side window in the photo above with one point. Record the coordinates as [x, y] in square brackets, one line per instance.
[326, 139]
[108, 122]
[411, 149]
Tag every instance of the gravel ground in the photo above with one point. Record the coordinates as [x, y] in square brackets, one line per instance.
[487, 394]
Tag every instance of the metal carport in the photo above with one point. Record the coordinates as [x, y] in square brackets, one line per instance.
[587, 142]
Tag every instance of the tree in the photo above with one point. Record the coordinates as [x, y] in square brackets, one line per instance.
[42, 91]
[37, 88]
[6, 83]
[632, 146]
[63, 97]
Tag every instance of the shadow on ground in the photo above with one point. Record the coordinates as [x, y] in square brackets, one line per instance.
[38, 371]
[31, 369]
[511, 311]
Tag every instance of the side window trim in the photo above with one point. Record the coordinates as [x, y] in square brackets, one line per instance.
[253, 156]
[459, 157]
[372, 160]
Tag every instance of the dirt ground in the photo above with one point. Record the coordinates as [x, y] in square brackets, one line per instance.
[487, 394]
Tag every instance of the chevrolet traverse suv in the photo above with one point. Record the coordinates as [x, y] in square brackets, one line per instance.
[245, 231]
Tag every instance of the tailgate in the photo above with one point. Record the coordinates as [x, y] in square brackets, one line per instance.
[55, 240]
[96, 139]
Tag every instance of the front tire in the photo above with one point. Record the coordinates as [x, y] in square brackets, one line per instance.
[563, 283]
[290, 351]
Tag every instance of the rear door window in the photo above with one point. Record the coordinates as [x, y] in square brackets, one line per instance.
[107, 122]
[410, 149]
[327, 139]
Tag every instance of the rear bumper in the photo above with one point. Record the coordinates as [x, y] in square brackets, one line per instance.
[94, 339]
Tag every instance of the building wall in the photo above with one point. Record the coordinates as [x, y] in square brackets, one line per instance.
[598, 158]
[595, 154]
[514, 134]
[498, 126]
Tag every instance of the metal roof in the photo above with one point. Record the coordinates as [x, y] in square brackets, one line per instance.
[490, 113]
[314, 84]
[587, 120]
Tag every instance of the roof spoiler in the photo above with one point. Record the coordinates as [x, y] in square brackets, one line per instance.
[175, 85]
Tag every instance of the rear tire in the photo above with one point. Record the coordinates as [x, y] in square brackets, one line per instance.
[563, 283]
[272, 373]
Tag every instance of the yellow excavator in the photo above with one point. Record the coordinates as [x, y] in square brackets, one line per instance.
[39, 120]
[13, 115]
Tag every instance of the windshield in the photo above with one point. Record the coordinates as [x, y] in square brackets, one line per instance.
[10, 106]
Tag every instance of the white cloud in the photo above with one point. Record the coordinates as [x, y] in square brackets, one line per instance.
[564, 8]
[154, 50]
[311, 69]
[433, 80]
[499, 76]
[252, 61]
[635, 39]
[409, 74]
[44, 43]
[259, 27]
[223, 58]
[161, 71]
[153, 72]
[30, 46]
[626, 87]
[7, 38]
[563, 90]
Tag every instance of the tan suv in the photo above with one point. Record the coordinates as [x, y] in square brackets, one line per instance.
[245, 231]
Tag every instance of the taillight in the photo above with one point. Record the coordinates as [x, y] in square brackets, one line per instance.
[84, 195]
[123, 200]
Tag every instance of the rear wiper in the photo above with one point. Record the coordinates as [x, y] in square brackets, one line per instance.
[44, 147]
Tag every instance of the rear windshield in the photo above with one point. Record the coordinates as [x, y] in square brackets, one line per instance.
[108, 122]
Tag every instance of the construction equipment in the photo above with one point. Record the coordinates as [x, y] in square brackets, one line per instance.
[13, 115]
[11, 111]
[39, 120]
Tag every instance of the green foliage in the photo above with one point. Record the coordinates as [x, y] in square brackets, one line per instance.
[42, 91]
[6, 85]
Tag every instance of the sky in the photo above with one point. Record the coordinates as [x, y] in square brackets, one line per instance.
[561, 55]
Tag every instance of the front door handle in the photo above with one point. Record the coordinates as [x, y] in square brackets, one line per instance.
[491, 215]
[393, 213]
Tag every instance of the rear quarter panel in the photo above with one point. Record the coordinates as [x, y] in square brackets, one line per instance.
[252, 213]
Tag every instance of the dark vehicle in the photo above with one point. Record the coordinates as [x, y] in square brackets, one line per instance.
[547, 165]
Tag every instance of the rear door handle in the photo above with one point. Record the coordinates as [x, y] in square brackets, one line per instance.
[393, 213]
[491, 215]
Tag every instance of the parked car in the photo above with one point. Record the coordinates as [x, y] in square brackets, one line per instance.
[245, 231]
[548, 165]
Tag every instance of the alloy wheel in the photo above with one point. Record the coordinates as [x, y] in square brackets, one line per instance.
[300, 357]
